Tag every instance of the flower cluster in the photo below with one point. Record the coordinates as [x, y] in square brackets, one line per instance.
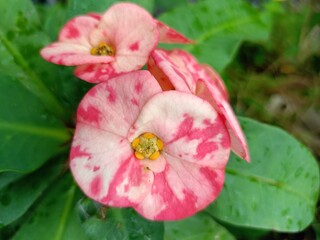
[157, 140]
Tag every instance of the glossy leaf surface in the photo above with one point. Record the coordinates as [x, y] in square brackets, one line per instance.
[218, 28]
[278, 190]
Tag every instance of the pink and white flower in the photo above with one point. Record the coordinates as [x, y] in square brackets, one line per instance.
[179, 70]
[161, 152]
[104, 46]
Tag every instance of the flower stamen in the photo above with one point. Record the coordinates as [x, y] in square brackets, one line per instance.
[147, 146]
[103, 49]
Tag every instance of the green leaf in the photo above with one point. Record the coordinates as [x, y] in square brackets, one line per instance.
[118, 223]
[16, 198]
[55, 217]
[218, 28]
[78, 7]
[166, 5]
[278, 190]
[21, 39]
[200, 226]
[241, 232]
[29, 135]
[18, 15]
[8, 177]
[53, 17]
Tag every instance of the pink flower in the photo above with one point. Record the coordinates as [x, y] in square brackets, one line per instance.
[179, 70]
[161, 152]
[103, 46]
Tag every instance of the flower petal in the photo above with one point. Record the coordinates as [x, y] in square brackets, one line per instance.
[186, 74]
[180, 191]
[73, 47]
[155, 166]
[101, 157]
[172, 64]
[238, 141]
[213, 78]
[78, 29]
[134, 36]
[113, 106]
[95, 73]
[161, 77]
[189, 127]
[104, 167]
[71, 54]
[196, 150]
[95, 15]
[169, 35]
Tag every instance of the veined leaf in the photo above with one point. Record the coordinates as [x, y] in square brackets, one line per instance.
[55, 217]
[118, 223]
[21, 39]
[278, 190]
[29, 135]
[17, 197]
[218, 28]
[200, 226]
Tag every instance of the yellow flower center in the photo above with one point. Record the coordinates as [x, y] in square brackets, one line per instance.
[147, 145]
[103, 49]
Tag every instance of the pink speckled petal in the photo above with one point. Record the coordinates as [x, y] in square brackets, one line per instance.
[95, 73]
[211, 94]
[181, 190]
[186, 74]
[155, 166]
[73, 47]
[71, 54]
[189, 127]
[196, 150]
[133, 32]
[78, 30]
[113, 106]
[95, 15]
[101, 157]
[172, 64]
[104, 167]
[169, 35]
[161, 77]
[214, 79]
